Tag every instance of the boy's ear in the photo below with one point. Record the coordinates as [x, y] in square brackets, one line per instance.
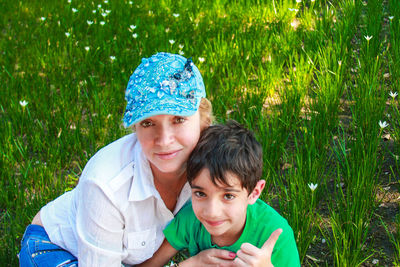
[256, 192]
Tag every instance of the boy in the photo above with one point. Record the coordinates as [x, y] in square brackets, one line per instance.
[224, 172]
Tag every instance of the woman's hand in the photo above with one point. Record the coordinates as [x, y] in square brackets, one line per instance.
[211, 257]
[249, 255]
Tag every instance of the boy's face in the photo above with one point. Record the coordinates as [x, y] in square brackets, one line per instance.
[222, 208]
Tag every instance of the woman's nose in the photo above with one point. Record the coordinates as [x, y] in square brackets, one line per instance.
[164, 135]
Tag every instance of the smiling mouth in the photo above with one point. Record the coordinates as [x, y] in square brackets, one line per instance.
[167, 155]
[214, 223]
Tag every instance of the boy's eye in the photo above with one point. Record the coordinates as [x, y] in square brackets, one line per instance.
[199, 194]
[229, 196]
[179, 119]
[146, 123]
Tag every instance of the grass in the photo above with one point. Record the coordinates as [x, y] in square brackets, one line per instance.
[315, 80]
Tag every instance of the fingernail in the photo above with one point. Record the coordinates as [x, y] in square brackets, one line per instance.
[232, 254]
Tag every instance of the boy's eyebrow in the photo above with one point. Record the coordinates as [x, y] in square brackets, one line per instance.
[226, 189]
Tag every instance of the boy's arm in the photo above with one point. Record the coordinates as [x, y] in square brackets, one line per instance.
[161, 256]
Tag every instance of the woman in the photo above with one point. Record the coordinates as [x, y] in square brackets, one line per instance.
[132, 188]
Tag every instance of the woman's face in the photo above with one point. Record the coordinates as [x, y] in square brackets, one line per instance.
[168, 140]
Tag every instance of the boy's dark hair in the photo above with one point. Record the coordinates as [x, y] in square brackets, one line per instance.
[224, 148]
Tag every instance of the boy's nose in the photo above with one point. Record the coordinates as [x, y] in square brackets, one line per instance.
[212, 209]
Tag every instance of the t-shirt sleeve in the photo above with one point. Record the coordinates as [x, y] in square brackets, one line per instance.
[285, 251]
[177, 231]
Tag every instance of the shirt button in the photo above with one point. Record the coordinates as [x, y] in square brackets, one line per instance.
[143, 243]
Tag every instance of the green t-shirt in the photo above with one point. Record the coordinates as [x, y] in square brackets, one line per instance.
[186, 231]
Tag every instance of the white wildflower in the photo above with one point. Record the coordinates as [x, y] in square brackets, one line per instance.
[293, 9]
[87, 48]
[134, 35]
[102, 23]
[171, 41]
[105, 1]
[383, 124]
[393, 95]
[132, 27]
[112, 58]
[67, 34]
[175, 15]
[89, 22]
[313, 186]
[74, 10]
[181, 52]
[42, 18]
[181, 46]
[375, 261]
[202, 59]
[391, 17]
[367, 37]
[23, 103]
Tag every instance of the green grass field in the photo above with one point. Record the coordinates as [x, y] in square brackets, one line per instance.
[317, 81]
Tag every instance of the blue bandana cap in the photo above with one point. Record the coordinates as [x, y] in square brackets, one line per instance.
[163, 84]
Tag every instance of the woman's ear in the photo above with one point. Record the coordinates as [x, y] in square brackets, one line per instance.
[255, 194]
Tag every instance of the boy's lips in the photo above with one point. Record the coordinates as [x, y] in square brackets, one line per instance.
[214, 223]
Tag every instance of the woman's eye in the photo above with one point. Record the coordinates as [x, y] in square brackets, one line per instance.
[146, 124]
[199, 194]
[229, 196]
[180, 119]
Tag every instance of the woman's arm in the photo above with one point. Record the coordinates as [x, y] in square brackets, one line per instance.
[161, 257]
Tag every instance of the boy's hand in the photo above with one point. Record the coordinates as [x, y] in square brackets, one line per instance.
[210, 257]
[249, 255]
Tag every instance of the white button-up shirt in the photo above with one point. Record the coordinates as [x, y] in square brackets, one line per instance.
[114, 215]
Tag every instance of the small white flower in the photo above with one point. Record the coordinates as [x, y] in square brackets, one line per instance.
[67, 34]
[69, 1]
[42, 18]
[99, 6]
[391, 17]
[23, 103]
[293, 9]
[132, 27]
[171, 41]
[105, 1]
[112, 58]
[323, 240]
[134, 35]
[367, 37]
[74, 10]
[375, 261]
[108, 11]
[393, 95]
[104, 14]
[89, 22]
[202, 59]
[94, 11]
[102, 23]
[167, 30]
[312, 186]
[175, 15]
[181, 52]
[130, 2]
[383, 124]
[298, 1]
[87, 48]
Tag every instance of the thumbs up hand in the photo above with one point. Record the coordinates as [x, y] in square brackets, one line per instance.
[249, 255]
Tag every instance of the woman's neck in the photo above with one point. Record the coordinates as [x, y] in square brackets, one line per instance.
[169, 186]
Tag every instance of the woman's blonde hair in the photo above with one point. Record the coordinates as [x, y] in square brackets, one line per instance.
[205, 110]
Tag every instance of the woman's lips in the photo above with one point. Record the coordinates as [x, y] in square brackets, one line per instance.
[167, 155]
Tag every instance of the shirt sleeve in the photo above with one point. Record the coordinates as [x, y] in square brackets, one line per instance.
[285, 251]
[99, 228]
